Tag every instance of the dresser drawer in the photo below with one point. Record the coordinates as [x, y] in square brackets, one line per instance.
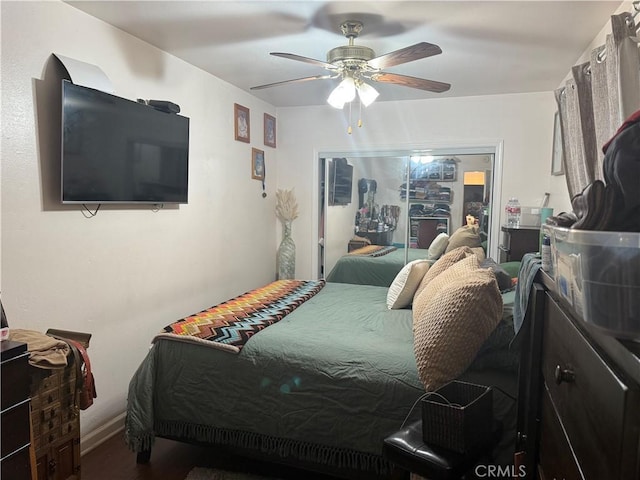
[15, 428]
[555, 458]
[17, 466]
[14, 376]
[590, 399]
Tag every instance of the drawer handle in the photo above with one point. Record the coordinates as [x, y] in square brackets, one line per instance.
[564, 375]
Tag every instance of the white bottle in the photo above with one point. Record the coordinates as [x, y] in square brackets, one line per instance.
[513, 213]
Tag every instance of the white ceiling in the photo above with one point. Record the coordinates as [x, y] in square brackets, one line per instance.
[488, 47]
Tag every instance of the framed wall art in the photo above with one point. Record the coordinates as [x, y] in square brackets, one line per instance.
[557, 155]
[269, 130]
[242, 125]
[257, 164]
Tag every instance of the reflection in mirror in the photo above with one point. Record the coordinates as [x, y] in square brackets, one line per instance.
[374, 214]
[397, 206]
[443, 191]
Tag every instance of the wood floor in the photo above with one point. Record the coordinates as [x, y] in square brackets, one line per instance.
[171, 460]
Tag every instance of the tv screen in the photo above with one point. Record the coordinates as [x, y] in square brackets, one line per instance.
[120, 151]
[340, 182]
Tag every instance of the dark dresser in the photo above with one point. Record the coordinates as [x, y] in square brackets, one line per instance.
[580, 417]
[515, 242]
[16, 435]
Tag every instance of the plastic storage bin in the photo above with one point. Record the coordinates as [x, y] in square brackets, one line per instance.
[530, 217]
[598, 273]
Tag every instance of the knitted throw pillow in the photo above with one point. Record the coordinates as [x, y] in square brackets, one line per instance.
[438, 246]
[458, 270]
[467, 236]
[456, 320]
[400, 293]
[444, 262]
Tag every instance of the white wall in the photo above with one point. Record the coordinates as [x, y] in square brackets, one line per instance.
[522, 122]
[127, 272]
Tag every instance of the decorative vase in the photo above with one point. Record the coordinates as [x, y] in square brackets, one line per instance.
[286, 253]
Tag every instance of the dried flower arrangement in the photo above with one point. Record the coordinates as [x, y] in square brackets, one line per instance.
[286, 205]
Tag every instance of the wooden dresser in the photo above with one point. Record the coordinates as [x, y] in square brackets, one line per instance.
[56, 422]
[516, 241]
[582, 416]
[15, 440]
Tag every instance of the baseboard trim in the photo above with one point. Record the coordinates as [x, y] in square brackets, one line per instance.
[100, 435]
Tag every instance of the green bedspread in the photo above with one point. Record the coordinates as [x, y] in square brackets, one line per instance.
[326, 384]
[380, 271]
[339, 371]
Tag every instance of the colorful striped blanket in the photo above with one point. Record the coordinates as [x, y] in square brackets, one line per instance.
[373, 250]
[229, 325]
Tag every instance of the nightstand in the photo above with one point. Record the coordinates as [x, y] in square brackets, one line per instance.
[516, 242]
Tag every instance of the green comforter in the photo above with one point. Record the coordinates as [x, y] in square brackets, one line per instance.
[326, 384]
[338, 372]
[380, 271]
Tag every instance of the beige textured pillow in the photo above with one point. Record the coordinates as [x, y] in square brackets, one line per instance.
[400, 293]
[456, 321]
[479, 251]
[458, 271]
[466, 236]
[443, 263]
[438, 246]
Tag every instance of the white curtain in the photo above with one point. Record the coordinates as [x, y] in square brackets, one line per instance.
[596, 100]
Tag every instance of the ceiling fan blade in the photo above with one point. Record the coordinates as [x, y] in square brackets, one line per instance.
[413, 82]
[300, 58]
[295, 80]
[404, 55]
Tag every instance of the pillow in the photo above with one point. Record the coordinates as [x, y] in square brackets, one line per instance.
[400, 293]
[457, 271]
[456, 321]
[499, 351]
[441, 265]
[438, 246]
[467, 235]
[505, 281]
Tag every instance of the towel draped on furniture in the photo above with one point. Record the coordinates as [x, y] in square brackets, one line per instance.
[373, 250]
[44, 351]
[529, 267]
[229, 325]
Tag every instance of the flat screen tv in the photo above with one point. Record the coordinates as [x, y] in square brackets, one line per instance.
[340, 182]
[116, 150]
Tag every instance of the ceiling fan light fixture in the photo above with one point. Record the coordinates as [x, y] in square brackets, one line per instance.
[345, 92]
[367, 93]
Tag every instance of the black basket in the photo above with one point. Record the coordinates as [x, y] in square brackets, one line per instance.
[458, 416]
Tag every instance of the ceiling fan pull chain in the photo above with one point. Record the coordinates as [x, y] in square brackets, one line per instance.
[349, 130]
[359, 112]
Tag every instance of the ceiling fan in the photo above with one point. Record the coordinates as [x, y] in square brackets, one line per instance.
[356, 63]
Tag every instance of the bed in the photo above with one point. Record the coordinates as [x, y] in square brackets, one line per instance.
[319, 388]
[372, 270]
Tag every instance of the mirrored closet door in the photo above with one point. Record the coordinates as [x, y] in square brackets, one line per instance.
[401, 201]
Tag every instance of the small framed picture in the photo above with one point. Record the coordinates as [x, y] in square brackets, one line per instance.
[269, 130]
[257, 164]
[242, 126]
[557, 156]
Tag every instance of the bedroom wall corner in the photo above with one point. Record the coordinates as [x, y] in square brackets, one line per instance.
[129, 271]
